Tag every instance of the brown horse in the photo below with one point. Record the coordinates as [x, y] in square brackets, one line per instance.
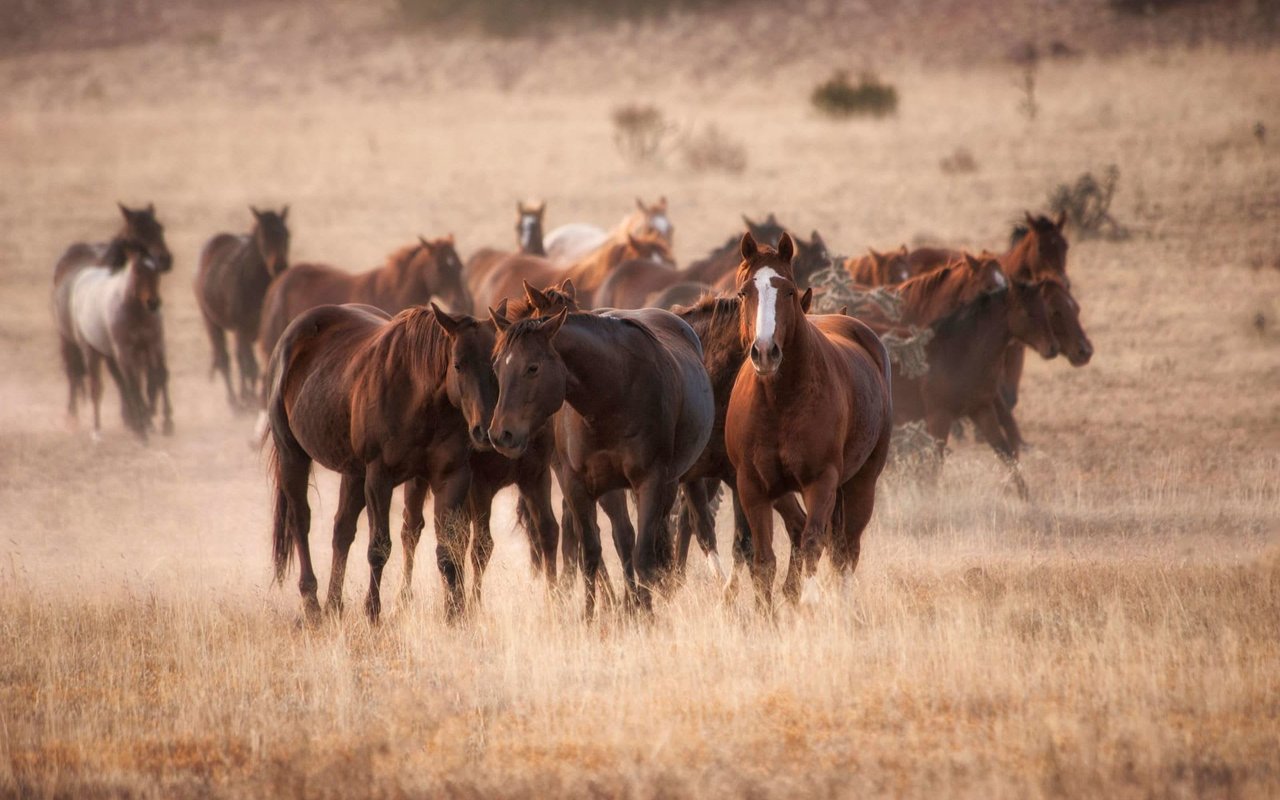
[506, 280]
[929, 297]
[568, 244]
[879, 269]
[530, 473]
[113, 316]
[141, 233]
[811, 412]
[411, 276]
[966, 356]
[380, 401]
[231, 281]
[636, 412]
[528, 242]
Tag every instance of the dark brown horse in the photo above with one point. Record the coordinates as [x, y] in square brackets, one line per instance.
[528, 242]
[231, 282]
[879, 269]
[112, 316]
[636, 410]
[507, 279]
[381, 402]
[141, 233]
[411, 277]
[811, 412]
[530, 473]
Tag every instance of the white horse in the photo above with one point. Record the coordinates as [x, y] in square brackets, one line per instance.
[568, 243]
[113, 317]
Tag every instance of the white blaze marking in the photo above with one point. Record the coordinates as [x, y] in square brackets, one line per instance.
[809, 594]
[766, 305]
[713, 561]
[508, 361]
[999, 279]
[526, 230]
[660, 223]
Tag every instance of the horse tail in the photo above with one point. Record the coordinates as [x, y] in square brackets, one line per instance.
[281, 541]
[274, 435]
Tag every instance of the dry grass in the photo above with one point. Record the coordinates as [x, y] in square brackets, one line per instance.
[1117, 636]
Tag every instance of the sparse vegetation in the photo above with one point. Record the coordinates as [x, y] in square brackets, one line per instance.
[642, 134]
[712, 150]
[507, 17]
[839, 97]
[959, 162]
[1087, 204]
[1028, 106]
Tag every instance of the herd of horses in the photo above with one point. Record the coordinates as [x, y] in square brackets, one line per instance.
[597, 360]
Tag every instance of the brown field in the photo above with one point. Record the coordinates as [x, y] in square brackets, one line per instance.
[1115, 636]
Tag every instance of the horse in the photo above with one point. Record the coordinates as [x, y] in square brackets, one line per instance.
[567, 244]
[879, 269]
[506, 279]
[965, 357]
[680, 294]
[636, 410]
[113, 316]
[380, 400]
[140, 232]
[411, 276]
[528, 242]
[929, 297]
[231, 282]
[491, 472]
[811, 411]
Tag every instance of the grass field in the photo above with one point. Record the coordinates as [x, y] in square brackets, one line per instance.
[1114, 636]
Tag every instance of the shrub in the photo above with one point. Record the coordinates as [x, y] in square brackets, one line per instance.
[960, 160]
[714, 151]
[1087, 204]
[837, 97]
[642, 133]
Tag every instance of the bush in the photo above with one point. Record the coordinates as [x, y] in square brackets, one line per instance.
[837, 97]
[1087, 204]
[642, 133]
[514, 17]
[960, 160]
[714, 151]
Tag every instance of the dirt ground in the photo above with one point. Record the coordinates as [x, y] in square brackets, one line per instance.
[1113, 636]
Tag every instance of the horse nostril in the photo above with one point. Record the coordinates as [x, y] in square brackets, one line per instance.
[755, 353]
[775, 352]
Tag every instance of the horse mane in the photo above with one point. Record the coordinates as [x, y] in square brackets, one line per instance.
[413, 344]
[400, 259]
[710, 315]
[915, 292]
[964, 313]
[520, 308]
[119, 250]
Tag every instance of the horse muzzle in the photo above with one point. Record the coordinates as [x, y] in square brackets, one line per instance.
[766, 358]
[507, 442]
[480, 438]
[1082, 356]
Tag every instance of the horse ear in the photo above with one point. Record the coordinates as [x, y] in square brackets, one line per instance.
[568, 289]
[816, 239]
[1061, 220]
[448, 239]
[806, 300]
[1031, 221]
[662, 202]
[552, 324]
[151, 209]
[971, 261]
[502, 307]
[635, 243]
[124, 210]
[844, 311]
[878, 258]
[256, 213]
[450, 324]
[422, 240]
[640, 205]
[772, 220]
[749, 246]
[902, 250]
[786, 247]
[540, 207]
[536, 298]
[748, 222]
[499, 320]
[284, 212]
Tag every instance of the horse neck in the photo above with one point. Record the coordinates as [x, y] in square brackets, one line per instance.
[978, 340]
[394, 285]
[722, 348]
[416, 352]
[594, 268]
[1026, 253]
[598, 376]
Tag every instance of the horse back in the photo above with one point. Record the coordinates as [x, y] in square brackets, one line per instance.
[76, 257]
[631, 283]
[927, 259]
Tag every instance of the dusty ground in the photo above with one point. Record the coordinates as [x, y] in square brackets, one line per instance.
[1114, 636]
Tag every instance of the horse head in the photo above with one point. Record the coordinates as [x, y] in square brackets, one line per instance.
[271, 237]
[529, 227]
[533, 380]
[438, 271]
[772, 306]
[646, 247]
[656, 220]
[144, 279]
[1029, 317]
[1064, 320]
[470, 381]
[141, 231]
[1041, 251]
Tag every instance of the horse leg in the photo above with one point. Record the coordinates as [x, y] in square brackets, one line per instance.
[988, 422]
[938, 423]
[652, 554]
[221, 359]
[293, 471]
[858, 500]
[1004, 414]
[481, 502]
[759, 516]
[535, 493]
[350, 504]
[582, 510]
[697, 504]
[741, 542]
[450, 513]
[793, 519]
[570, 543]
[1011, 373]
[624, 541]
[377, 497]
[73, 363]
[415, 498]
[129, 410]
[93, 366]
[248, 364]
[820, 501]
[158, 383]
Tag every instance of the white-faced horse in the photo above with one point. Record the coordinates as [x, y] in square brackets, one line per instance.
[567, 244]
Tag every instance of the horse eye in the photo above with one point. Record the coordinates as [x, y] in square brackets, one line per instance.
[533, 369]
[457, 365]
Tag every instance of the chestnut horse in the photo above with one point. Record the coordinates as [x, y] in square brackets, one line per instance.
[380, 401]
[231, 281]
[140, 233]
[811, 412]
[113, 316]
[507, 278]
[568, 244]
[491, 472]
[411, 276]
[636, 412]
[528, 242]
[879, 269]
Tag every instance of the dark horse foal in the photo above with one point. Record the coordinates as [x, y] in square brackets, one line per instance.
[380, 402]
[637, 412]
[231, 282]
